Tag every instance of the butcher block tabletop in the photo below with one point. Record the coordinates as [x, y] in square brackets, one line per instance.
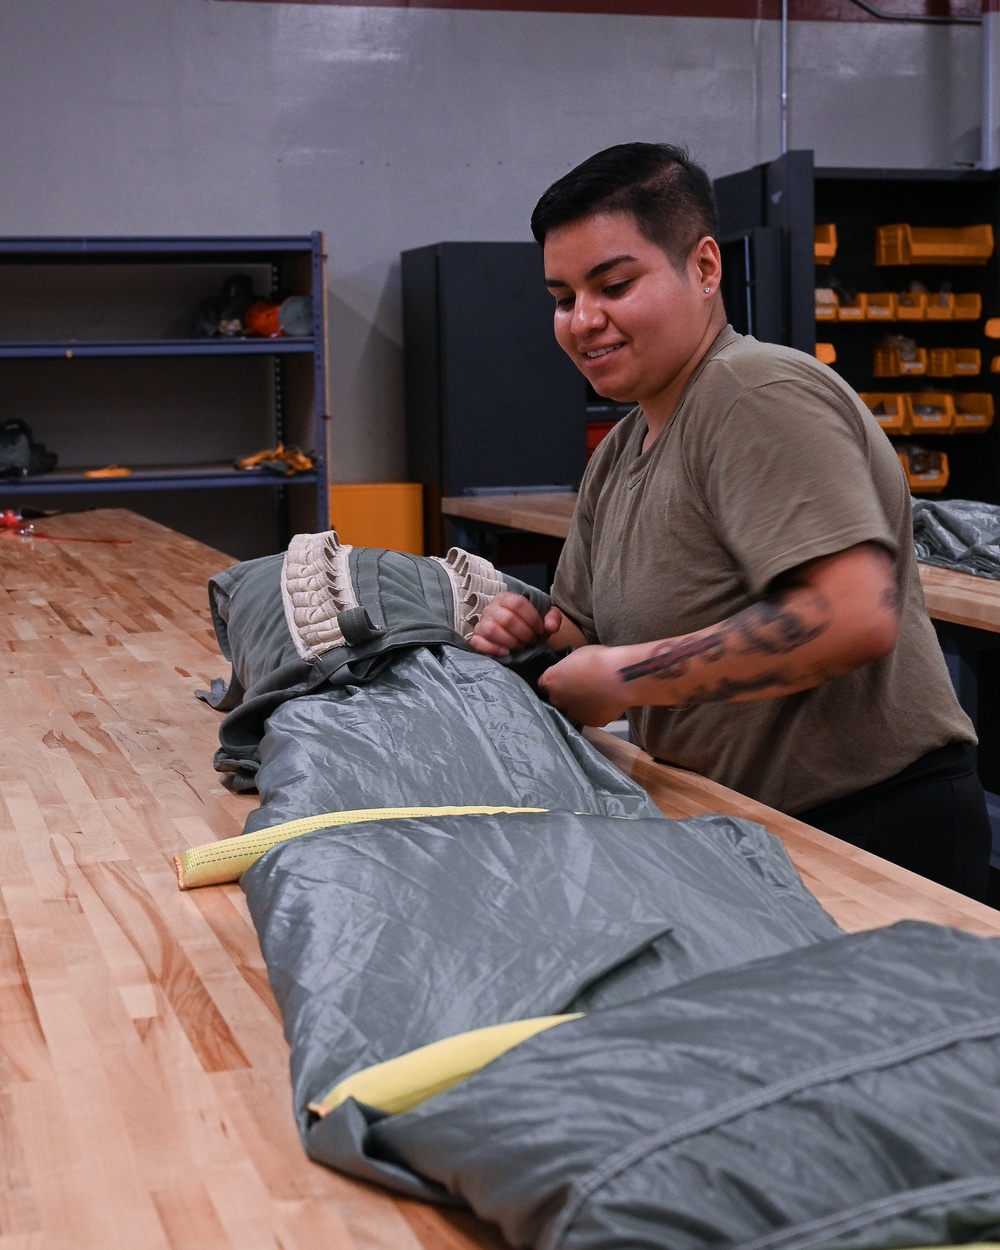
[145, 1101]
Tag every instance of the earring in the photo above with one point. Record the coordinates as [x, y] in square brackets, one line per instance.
[708, 290]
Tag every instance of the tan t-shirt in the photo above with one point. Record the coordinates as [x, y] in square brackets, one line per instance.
[770, 460]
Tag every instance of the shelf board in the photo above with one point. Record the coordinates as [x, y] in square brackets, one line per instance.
[152, 477]
[72, 349]
[208, 249]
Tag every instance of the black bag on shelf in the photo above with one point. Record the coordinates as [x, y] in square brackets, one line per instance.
[20, 455]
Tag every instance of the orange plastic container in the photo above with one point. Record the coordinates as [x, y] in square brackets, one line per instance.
[379, 514]
[911, 306]
[857, 310]
[928, 481]
[929, 412]
[827, 353]
[968, 306]
[950, 362]
[827, 309]
[889, 410]
[882, 306]
[973, 412]
[890, 364]
[933, 245]
[940, 306]
[825, 243]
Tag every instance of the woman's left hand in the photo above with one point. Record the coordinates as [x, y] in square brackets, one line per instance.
[587, 685]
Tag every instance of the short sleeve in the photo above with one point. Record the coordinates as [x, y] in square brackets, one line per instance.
[788, 478]
[572, 586]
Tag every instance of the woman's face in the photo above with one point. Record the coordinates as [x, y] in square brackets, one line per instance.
[630, 321]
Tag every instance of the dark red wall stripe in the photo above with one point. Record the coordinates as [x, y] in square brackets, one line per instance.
[798, 10]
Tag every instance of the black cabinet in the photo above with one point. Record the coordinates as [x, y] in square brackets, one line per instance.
[491, 400]
[97, 355]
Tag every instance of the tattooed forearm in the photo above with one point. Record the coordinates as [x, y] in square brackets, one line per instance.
[775, 626]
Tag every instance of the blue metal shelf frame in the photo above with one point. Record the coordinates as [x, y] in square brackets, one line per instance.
[276, 251]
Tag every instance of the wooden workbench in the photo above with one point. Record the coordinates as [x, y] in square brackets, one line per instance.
[145, 1100]
[950, 596]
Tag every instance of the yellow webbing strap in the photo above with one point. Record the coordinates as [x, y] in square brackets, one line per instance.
[404, 1083]
[229, 859]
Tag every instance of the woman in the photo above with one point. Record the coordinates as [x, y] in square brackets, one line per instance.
[739, 576]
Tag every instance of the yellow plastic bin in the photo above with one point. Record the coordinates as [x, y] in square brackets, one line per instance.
[926, 472]
[968, 306]
[930, 412]
[882, 306]
[825, 243]
[890, 364]
[950, 362]
[857, 310]
[933, 245]
[890, 411]
[973, 412]
[911, 306]
[379, 514]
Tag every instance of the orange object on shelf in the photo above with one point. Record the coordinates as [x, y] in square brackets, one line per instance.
[889, 410]
[882, 306]
[933, 245]
[856, 310]
[827, 304]
[110, 470]
[950, 362]
[827, 353]
[968, 306]
[891, 363]
[825, 243]
[929, 412]
[973, 412]
[926, 471]
[379, 514]
[911, 306]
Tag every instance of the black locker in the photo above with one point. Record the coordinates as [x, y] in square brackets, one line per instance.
[491, 400]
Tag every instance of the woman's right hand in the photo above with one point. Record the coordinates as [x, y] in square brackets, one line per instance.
[510, 622]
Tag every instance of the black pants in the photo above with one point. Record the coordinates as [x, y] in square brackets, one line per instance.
[930, 818]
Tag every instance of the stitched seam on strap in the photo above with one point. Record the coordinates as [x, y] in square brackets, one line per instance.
[715, 1116]
[859, 1217]
[365, 569]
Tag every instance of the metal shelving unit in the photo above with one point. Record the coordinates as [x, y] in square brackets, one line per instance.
[96, 355]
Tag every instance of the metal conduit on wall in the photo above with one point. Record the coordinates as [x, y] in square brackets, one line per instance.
[990, 22]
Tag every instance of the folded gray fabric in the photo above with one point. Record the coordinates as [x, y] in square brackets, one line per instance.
[386, 936]
[843, 1095]
[960, 534]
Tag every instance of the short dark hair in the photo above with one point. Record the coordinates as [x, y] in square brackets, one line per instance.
[669, 197]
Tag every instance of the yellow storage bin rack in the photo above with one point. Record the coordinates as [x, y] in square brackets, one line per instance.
[973, 412]
[933, 245]
[926, 472]
[951, 362]
[825, 243]
[890, 411]
[889, 363]
[930, 412]
[940, 306]
[882, 306]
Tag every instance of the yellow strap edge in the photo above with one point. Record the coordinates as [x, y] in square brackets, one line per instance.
[405, 1082]
[227, 860]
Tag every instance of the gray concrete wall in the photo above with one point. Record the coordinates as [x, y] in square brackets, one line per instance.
[391, 128]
